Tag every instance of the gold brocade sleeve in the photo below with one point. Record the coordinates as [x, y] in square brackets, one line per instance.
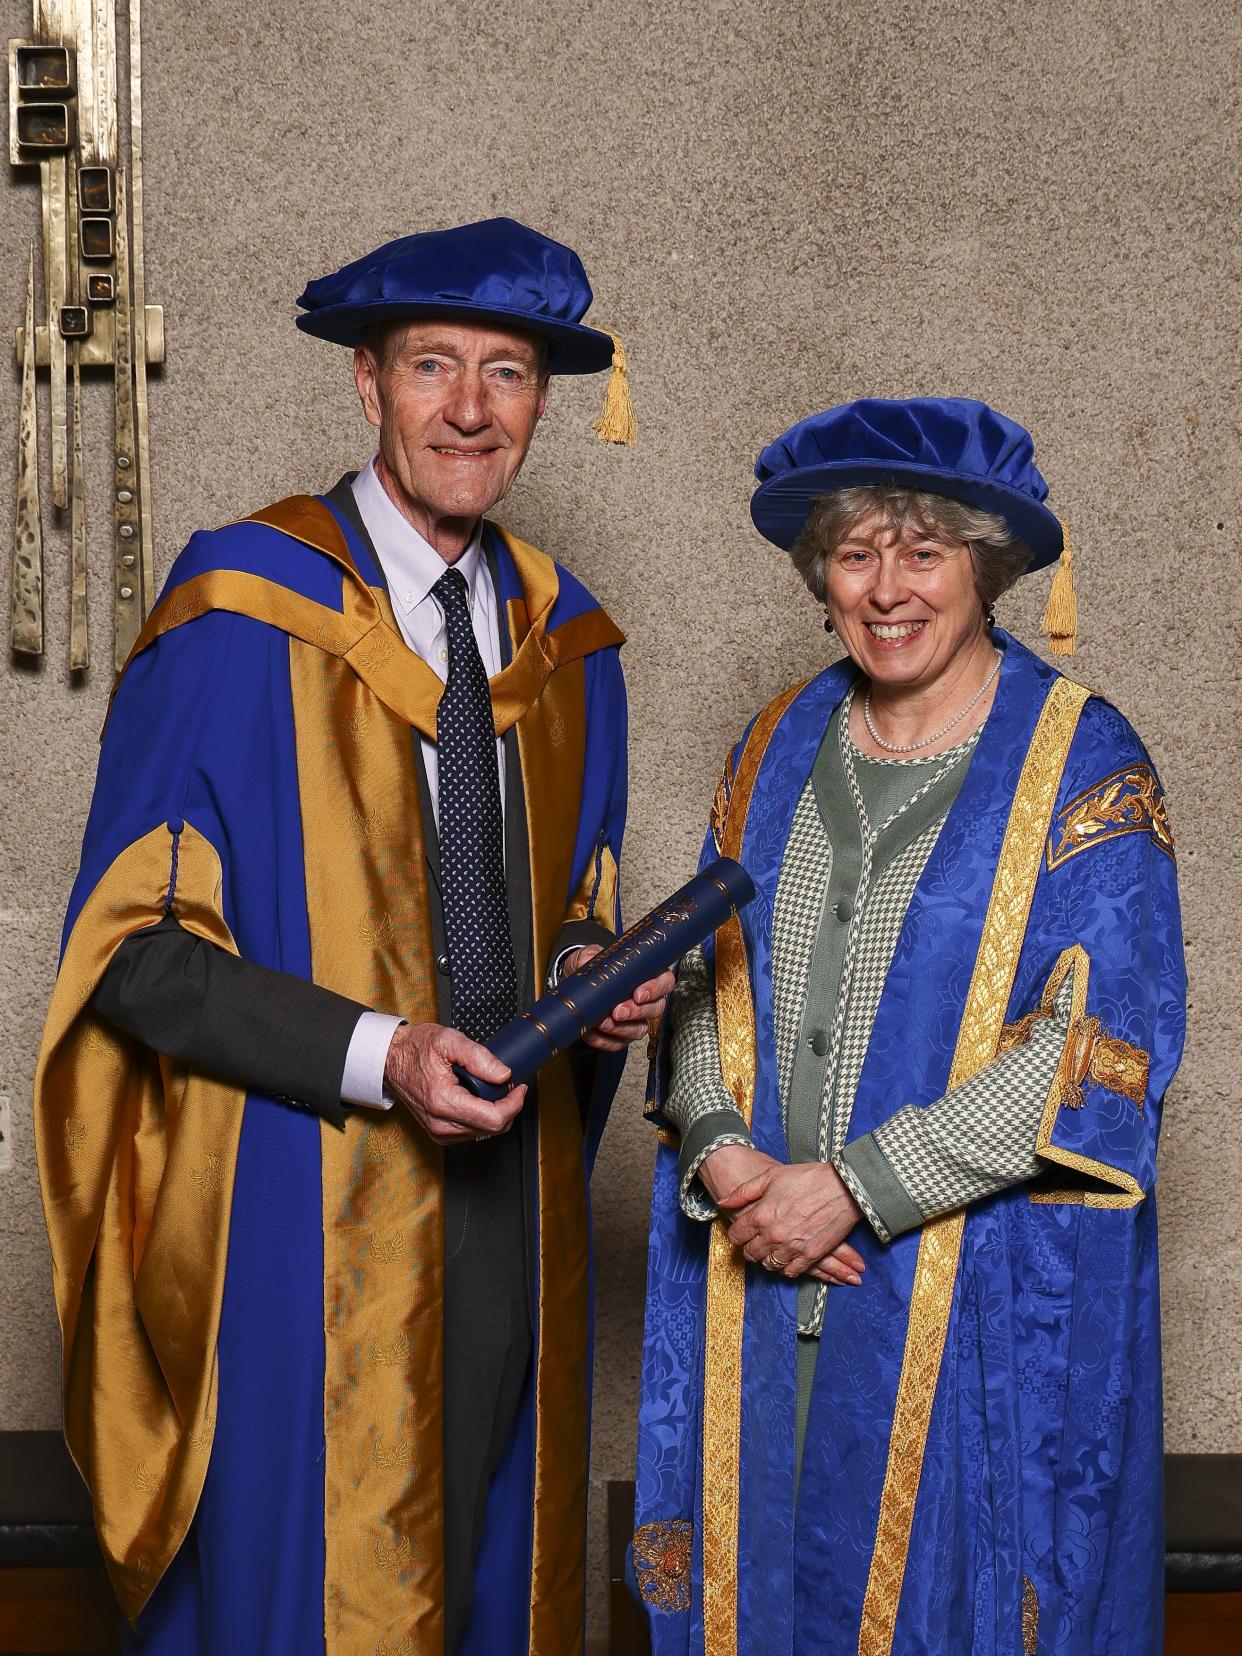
[136, 1161]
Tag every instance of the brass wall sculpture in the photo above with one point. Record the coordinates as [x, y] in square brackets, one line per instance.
[63, 118]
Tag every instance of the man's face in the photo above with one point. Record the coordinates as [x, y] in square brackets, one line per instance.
[456, 404]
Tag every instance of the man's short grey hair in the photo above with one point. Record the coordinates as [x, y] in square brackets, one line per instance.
[997, 557]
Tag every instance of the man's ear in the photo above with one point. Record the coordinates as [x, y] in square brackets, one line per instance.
[366, 378]
[543, 394]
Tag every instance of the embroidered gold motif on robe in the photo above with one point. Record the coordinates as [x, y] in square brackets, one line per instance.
[1089, 1054]
[1130, 801]
[662, 1553]
[1120, 1067]
[1030, 1618]
[720, 805]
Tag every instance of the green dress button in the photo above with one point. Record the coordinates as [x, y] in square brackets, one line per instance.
[843, 909]
[819, 1042]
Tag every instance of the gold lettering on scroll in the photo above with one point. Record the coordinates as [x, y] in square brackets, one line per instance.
[65, 120]
[632, 946]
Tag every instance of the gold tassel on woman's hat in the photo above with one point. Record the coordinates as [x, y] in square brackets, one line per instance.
[1060, 623]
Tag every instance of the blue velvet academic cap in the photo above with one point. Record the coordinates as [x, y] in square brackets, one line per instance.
[947, 445]
[494, 271]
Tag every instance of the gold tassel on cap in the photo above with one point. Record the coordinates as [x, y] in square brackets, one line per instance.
[617, 424]
[1060, 623]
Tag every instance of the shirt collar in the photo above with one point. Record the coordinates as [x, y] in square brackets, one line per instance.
[411, 565]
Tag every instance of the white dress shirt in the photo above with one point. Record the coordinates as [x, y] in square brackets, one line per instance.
[411, 568]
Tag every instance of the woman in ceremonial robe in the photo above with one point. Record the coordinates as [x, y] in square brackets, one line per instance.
[926, 1067]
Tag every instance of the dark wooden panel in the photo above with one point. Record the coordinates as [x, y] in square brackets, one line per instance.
[67, 1612]
[626, 1623]
[1202, 1624]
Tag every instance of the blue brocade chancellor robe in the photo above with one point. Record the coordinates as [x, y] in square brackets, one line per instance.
[983, 1463]
[250, 1300]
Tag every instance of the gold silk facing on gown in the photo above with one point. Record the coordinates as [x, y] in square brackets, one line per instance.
[383, 1221]
[383, 1282]
[552, 744]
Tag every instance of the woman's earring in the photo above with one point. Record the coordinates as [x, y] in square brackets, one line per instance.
[827, 624]
[991, 616]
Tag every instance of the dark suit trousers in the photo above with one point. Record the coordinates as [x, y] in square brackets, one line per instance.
[488, 1343]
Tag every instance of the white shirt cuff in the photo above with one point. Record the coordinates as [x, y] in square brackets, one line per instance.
[557, 966]
[363, 1080]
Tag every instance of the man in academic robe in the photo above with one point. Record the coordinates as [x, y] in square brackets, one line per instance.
[361, 794]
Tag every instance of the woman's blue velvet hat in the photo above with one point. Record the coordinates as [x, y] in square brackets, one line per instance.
[494, 271]
[946, 445]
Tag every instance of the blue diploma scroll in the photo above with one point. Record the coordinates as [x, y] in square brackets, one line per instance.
[586, 998]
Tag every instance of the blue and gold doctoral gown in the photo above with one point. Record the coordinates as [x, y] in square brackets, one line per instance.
[983, 1464]
[250, 1301]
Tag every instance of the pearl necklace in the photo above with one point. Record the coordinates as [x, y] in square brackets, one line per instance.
[913, 747]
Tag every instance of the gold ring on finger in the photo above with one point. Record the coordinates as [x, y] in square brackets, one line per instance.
[772, 1263]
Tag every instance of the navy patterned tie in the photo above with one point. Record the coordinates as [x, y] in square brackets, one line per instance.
[472, 864]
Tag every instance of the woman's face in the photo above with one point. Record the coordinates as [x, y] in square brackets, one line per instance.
[904, 605]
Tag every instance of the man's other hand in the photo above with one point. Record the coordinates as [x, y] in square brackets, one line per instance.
[420, 1072]
[633, 1019]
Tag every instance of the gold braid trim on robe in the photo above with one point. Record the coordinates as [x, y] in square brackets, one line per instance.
[726, 1266]
[979, 1035]
[136, 1157]
[357, 689]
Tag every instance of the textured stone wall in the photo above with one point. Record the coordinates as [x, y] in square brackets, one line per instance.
[782, 205]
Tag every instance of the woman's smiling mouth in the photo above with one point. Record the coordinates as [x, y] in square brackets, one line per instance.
[894, 632]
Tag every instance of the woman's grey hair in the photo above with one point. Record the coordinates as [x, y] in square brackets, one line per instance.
[997, 557]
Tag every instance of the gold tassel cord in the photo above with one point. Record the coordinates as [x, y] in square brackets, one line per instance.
[617, 423]
[1060, 622]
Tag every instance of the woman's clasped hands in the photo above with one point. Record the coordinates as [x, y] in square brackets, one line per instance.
[792, 1218]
